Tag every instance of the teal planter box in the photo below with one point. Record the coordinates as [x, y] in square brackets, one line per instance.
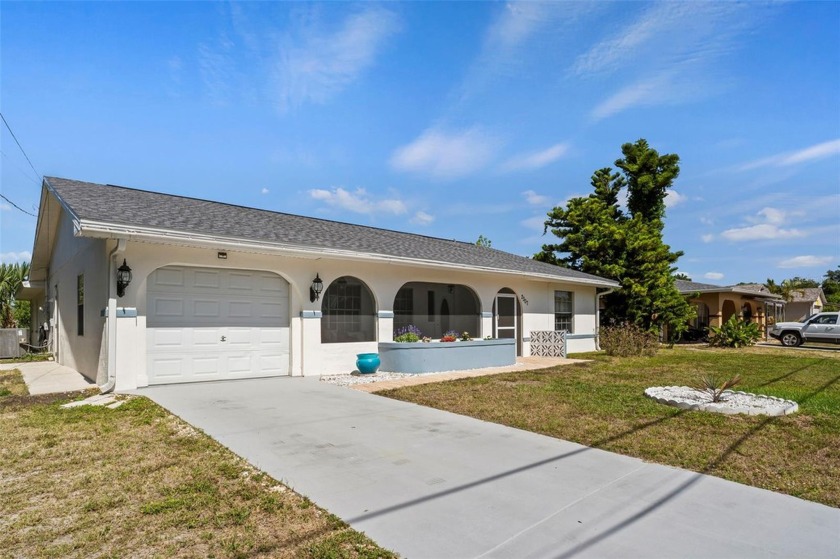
[367, 363]
[435, 357]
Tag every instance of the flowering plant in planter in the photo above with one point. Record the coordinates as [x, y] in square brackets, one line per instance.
[465, 336]
[410, 333]
[450, 336]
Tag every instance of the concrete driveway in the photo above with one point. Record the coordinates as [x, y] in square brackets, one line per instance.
[431, 484]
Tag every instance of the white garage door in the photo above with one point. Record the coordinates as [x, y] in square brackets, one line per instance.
[214, 324]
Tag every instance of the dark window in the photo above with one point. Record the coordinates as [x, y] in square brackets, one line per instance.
[431, 306]
[403, 307]
[563, 311]
[80, 305]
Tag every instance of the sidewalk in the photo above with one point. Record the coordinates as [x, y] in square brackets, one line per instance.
[48, 377]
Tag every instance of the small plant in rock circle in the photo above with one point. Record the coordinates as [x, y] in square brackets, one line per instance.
[408, 334]
[715, 388]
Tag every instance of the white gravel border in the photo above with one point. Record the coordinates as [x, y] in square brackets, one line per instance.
[733, 401]
[379, 376]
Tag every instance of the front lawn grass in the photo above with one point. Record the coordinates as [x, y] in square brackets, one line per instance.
[136, 481]
[601, 404]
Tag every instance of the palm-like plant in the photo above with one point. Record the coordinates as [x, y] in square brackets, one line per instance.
[715, 388]
[11, 278]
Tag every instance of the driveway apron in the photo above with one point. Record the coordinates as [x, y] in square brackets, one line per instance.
[431, 484]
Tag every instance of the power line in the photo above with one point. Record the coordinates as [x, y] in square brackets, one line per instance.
[20, 169]
[19, 146]
[18, 207]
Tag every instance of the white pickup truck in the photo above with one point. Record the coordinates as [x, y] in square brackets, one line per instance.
[821, 327]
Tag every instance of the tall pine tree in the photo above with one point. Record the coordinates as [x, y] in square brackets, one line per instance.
[597, 237]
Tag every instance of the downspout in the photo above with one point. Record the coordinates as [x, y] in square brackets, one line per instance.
[598, 316]
[112, 318]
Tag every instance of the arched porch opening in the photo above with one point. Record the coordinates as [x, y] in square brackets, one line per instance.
[727, 310]
[436, 308]
[348, 312]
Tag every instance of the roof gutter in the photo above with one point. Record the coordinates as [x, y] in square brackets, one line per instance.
[112, 318]
[109, 231]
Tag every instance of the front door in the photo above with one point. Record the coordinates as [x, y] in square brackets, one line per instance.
[506, 317]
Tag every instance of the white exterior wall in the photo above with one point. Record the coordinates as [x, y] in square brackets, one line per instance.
[308, 355]
[72, 256]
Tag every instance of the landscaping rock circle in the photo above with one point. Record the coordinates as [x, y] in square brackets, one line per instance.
[732, 402]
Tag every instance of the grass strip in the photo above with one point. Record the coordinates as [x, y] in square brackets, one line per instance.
[136, 481]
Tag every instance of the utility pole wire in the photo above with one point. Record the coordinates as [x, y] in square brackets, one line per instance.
[21, 148]
[18, 207]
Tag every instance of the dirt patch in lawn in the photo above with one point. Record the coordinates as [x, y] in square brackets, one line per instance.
[137, 481]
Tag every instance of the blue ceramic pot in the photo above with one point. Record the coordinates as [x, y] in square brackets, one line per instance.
[367, 363]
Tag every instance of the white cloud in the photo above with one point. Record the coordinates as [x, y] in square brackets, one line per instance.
[768, 222]
[5, 207]
[535, 199]
[676, 45]
[665, 88]
[446, 155]
[713, 275]
[518, 22]
[536, 160]
[674, 198]
[706, 220]
[811, 153]
[763, 231]
[537, 223]
[320, 64]
[264, 191]
[708, 238]
[772, 215]
[358, 201]
[14, 257]
[805, 261]
[422, 218]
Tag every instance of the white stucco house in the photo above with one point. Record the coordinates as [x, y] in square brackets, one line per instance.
[219, 291]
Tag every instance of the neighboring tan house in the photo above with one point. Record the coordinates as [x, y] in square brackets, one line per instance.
[804, 303]
[219, 291]
[715, 304]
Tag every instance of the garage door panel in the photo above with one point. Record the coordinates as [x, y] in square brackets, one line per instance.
[167, 307]
[162, 338]
[273, 310]
[167, 368]
[190, 312]
[205, 366]
[206, 279]
[240, 309]
[203, 308]
[168, 277]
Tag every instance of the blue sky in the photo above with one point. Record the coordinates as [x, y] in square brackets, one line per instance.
[446, 119]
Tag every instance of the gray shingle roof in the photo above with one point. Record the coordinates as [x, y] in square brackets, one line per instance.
[685, 286]
[806, 295]
[688, 287]
[117, 205]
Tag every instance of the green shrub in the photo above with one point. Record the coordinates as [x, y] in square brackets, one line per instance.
[627, 340]
[408, 334]
[734, 333]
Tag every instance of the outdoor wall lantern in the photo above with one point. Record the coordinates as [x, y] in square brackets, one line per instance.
[123, 278]
[315, 289]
